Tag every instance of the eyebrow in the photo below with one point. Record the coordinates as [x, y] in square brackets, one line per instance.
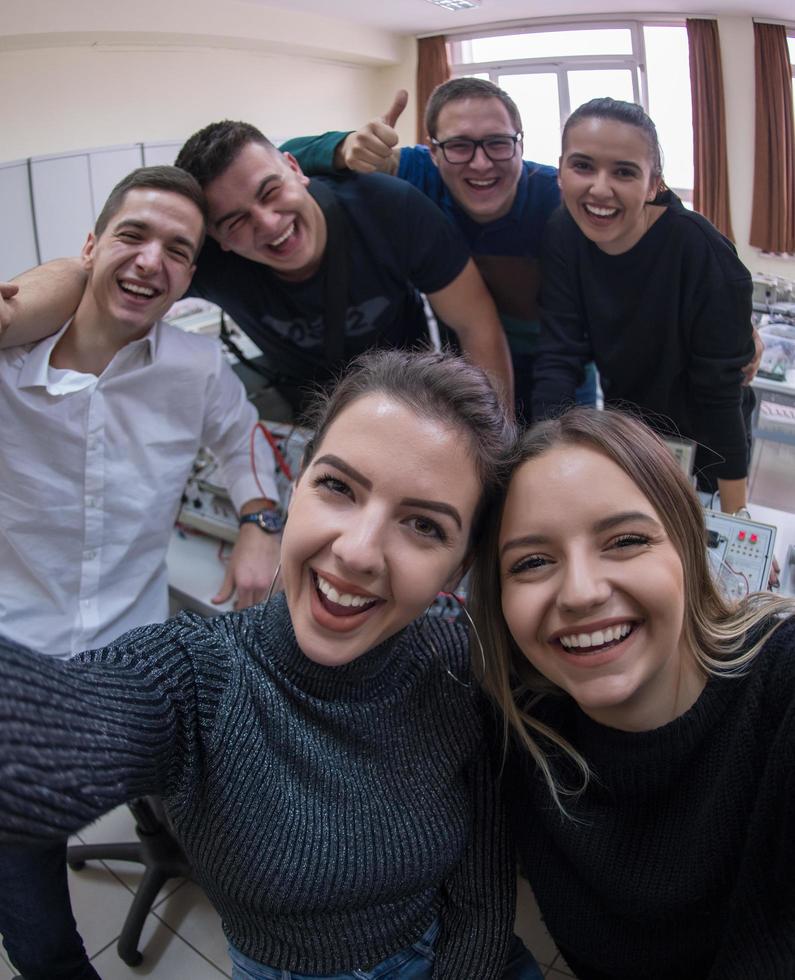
[434, 505]
[330, 460]
[437, 506]
[233, 214]
[144, 226]
[605, 524]
[615, 163]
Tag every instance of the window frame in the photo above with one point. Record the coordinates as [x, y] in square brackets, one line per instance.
[562, 64]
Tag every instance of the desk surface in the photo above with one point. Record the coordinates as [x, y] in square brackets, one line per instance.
[195, 573]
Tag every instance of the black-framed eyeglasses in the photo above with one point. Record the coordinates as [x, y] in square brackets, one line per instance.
[459, 149]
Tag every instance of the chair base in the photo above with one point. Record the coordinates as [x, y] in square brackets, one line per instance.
[161, 857]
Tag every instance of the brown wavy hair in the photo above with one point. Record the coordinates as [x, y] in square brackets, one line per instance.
[715, 631]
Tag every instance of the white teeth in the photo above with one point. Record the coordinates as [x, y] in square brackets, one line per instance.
[341, 598]
[280, 241]
[600, 212]
[482, 183]
[132, 287]
[596, 639]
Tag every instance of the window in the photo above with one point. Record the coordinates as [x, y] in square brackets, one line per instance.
[791, 46]
[549, 71]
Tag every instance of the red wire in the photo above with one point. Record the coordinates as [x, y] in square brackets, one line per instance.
[281, 462]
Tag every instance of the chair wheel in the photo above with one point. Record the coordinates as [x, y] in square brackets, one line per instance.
[76, 865]
[134, 959]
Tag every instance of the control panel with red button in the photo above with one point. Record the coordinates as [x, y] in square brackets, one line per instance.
[740, 553]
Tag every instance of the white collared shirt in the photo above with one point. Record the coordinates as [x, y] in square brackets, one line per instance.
[91, 478]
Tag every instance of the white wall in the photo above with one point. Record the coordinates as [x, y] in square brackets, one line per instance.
[76, 98]
[80, 74]
[737, 55]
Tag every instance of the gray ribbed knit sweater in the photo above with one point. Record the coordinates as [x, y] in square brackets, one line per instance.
[329, 813]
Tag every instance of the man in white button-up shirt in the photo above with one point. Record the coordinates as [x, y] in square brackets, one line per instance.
[100, 426]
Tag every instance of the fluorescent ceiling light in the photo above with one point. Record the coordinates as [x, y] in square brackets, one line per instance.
[456, 4]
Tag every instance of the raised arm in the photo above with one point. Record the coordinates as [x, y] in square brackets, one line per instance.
[466, 306]
[44, 299]
[373, 147]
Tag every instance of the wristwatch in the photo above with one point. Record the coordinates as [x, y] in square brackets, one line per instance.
[743, 512]
[269, 519]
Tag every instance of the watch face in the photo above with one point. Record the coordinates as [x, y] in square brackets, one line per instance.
[271, 521]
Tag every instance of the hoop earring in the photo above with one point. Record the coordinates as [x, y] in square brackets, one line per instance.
[463, 607]
[273, 584]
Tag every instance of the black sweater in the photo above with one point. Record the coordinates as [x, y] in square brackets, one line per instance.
[329, 813]
[668, 324]
[679, 863]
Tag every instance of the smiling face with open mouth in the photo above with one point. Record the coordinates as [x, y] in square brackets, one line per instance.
[606, 181]
[593, 589]
[143, 260]
[485, 189]
[379, 523]
[260, 209]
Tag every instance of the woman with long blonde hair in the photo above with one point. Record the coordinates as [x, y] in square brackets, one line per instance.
[650, 724]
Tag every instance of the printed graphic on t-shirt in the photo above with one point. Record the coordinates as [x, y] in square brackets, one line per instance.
[308, 332]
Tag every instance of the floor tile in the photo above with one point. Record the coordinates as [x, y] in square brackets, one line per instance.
[188, 912]
[100, 903]
[530, 928]
[166, 957]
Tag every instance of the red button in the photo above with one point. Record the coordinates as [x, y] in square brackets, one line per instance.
[754, 539]
[741, 535]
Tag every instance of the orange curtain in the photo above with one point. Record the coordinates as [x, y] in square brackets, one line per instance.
[433, 68]
[710, 159]
[773, 220]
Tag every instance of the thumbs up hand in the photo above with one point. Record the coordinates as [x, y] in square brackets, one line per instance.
[374, 146]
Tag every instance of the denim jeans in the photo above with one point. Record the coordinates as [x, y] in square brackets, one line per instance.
[36, 921]
[412, 963]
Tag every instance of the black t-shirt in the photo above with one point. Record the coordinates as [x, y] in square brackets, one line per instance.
[668, 324]
[398, 242]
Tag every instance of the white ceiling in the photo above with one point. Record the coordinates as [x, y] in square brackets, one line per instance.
[421, 17]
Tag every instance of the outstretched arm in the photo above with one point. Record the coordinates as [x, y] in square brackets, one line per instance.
[466, 306]
[43, 300]
[80, 736]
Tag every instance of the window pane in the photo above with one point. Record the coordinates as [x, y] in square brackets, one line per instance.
[668, 71]
[791, 46]
[536, 97]
[548, 44]
[599, 82]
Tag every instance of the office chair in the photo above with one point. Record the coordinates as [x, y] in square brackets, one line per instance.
[160, 854]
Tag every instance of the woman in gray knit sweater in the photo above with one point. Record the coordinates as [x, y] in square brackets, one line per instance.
[322, 756]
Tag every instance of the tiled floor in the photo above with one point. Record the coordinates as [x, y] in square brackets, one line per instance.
[183, 940]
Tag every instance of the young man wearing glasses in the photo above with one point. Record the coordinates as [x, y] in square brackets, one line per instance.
[475, 173]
